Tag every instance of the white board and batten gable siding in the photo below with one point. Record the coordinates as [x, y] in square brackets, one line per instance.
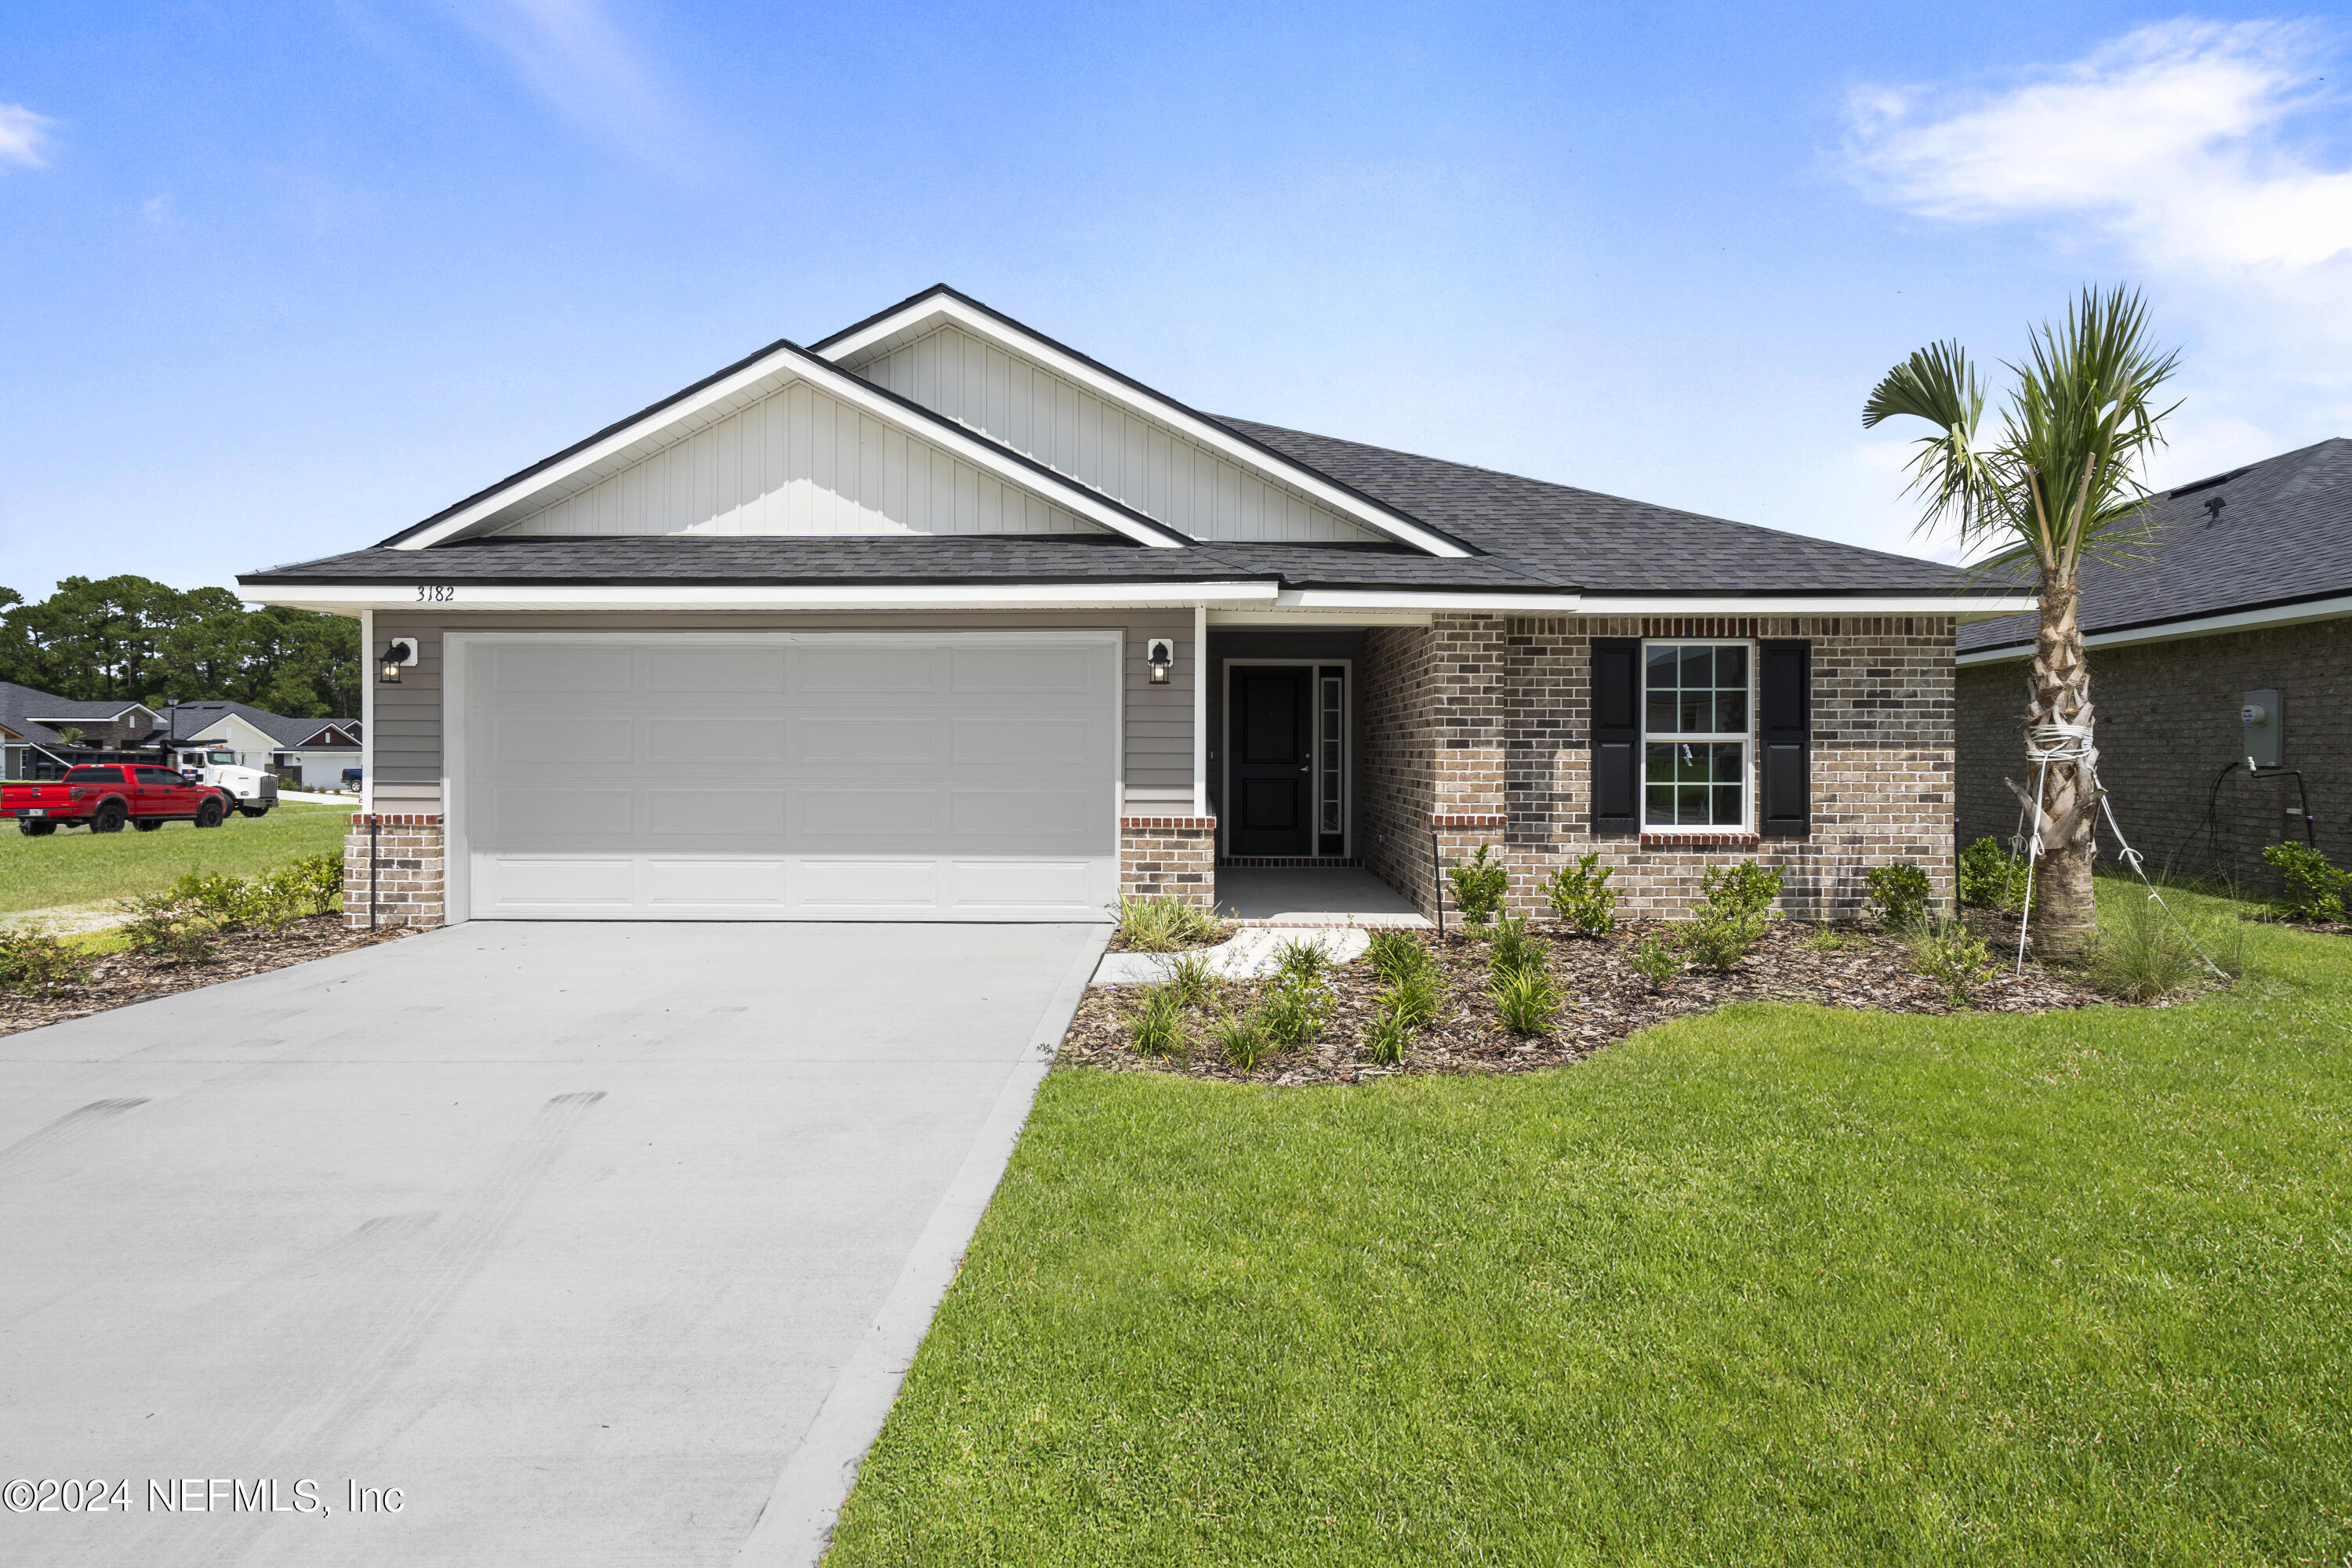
[798, 462]
[1044, 416]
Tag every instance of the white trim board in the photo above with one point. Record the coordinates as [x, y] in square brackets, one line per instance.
[2171, 631]
[767, 373]
[927, 310]
[463, 598]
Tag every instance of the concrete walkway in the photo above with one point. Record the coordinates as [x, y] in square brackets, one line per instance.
[596, 1241]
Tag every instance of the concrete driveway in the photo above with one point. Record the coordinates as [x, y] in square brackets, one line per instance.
[595, 1241]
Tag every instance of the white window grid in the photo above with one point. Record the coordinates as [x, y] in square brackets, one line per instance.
[1745, 739]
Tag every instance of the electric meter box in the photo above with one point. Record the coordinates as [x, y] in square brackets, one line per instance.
[2264, 722]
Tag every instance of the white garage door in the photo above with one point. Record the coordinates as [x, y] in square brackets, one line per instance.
[787, 776]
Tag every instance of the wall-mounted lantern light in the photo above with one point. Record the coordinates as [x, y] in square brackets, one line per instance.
[398, 652]
[1160, 653]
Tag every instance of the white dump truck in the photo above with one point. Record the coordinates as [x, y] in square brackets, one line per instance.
[254, 791]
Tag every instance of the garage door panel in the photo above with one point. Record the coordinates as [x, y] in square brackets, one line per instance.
[864, 671]
[720, 742]
[718, 813]
[1016, 884]
[574, 668]
[541, 813]
[870, 884]
[1028, 670]
[867, 742]
[529, 882]
[542, 743]
[790, 775]
[883, 816]
[687, 671]
[717, 883]
[1051, 814]
[1047, 741]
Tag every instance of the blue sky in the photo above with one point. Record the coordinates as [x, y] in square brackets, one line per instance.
[283, 278]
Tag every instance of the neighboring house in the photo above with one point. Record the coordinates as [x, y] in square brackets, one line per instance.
[311, 751]
[2246, 588]
[46, 733]
[942, 618]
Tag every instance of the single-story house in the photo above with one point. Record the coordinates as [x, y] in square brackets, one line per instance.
[45, 733]
[2228, 637]
[938, 617]
[308, 752]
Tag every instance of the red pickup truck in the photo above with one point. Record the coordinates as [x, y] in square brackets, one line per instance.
[105, 796]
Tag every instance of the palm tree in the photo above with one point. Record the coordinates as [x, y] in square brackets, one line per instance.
[2060, 482]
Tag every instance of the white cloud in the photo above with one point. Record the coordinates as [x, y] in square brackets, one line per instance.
[2188, 157]
[575, 59]
[2171, 139]
[23, 135]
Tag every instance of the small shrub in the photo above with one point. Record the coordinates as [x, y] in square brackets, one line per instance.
[1581, 896]
[312, 885]
[1240, 1041]
[1395, 953]
[2316, 890]
[173, 929]
[35, 963]
[1414, 996]
[1512, 947]
[1745, 886]
[1163, 925]
[1828, 939]
[1290, 1015]
[1951, 955]
[1157, 1026]
[1656, 959]
[1989, 876]
[1897, 896]
[1385, 1037]
[1734, 912]
[1479, 885]
[224, 898]
[1301, 960]
[1525, 1000]
[1190, 981]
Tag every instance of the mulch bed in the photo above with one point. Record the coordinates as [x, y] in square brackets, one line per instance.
[119, 979]
[1606, 1002]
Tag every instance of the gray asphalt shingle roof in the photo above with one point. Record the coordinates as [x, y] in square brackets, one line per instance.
[189, 719]
[18, 704]
[2283, 533]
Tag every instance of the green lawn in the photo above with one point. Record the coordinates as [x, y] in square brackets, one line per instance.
[1780, 1285]
[74, 866]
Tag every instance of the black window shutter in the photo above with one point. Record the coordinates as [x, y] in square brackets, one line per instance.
[1785, 732]
[1616, 734]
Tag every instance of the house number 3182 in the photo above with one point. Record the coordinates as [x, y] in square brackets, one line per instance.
[436, 593]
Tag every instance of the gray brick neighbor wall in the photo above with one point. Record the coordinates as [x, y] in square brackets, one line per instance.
[1479, 726]
[2167, 725]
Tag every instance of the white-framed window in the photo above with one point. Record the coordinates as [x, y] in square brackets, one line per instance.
[1698, 727]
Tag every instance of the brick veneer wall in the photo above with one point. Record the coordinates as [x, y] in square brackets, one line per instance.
[2167, 724]
[408, 870]
[1481, 723]
[1169, 856]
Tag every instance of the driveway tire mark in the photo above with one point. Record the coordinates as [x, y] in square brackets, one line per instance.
[33, 1144]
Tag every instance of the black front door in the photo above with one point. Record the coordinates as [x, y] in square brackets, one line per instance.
[1270, 748]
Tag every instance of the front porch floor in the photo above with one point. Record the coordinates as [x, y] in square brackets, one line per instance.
[1336, 896]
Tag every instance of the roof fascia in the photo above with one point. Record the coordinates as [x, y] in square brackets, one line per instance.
[1862, 602]
[2173, 631]
[948, 304]
[348, 598]
[883, 405]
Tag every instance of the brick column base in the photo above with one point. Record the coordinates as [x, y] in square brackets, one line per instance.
[1169, 857]
[408, 875]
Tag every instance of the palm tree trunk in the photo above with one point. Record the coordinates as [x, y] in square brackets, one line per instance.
[2066, 917]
